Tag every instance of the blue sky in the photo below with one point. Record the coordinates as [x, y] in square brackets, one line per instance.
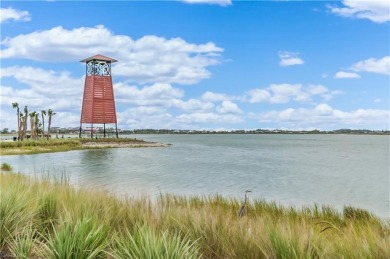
[203, 64]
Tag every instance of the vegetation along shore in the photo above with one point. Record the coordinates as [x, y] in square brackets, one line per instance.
[43, 218]
[60, 145]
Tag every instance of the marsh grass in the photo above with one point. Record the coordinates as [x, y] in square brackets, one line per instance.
[47, 213]
[147, 243]
[40, 143]
[55, 220]
[22, 245]
[38, 146]
[86, 239]
[58, 145]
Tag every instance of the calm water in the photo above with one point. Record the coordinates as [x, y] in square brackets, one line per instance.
[299, 170]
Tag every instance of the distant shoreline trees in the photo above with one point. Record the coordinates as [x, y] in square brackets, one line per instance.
[36, 127]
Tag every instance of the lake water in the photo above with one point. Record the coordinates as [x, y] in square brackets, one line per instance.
[291, 169]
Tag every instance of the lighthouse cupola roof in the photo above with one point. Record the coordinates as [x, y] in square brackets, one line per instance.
[99, 57]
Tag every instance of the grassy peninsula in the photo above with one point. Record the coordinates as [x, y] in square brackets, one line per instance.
[42, 218]
[60, 145]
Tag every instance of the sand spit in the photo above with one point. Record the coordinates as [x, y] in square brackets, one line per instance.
[123, 144]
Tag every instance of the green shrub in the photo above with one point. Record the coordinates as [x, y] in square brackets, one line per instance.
[6, 167]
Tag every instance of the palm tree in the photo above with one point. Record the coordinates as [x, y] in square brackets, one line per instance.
[50, 113]
[36, 121]
[16, 105]
[25, 122]
[32, 124]
[43, 113]
[21, 125]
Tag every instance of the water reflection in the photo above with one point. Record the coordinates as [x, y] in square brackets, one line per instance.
[292, 169]
[96, 166]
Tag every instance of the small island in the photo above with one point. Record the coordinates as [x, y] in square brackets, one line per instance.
[61, 145]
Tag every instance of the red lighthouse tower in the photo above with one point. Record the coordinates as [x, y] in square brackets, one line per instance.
[98, 100]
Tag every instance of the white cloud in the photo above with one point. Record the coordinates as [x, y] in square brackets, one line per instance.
[143, 117]
[150, 106]
[324, 116]
[289, 58]
[209, 118]
[7, 14]
[40, 92]
[343, 74]
[45, 81]
[372, 65]
[156, 94]
[228, 107]
[377, 11]
[193, 104]
[162, 95]
[317, 89]
[215, 97]
[217, 2]
[259, 96]
[284, 93]
[150, 59]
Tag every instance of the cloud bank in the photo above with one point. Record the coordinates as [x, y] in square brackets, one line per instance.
[211, 2]
[374, 10]
[150, 59]
[11, 14]
[289, 58]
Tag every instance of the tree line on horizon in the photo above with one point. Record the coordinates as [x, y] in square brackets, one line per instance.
[36, 127]
[256, 131]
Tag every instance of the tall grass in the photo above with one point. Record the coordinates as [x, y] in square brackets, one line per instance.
[40, 142]
[22, 245]
[16, 210]
[54, 220]
[47, 213]
[58, 145]
[87, 239]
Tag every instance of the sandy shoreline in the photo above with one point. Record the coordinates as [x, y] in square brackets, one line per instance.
[123, 145]
[84, 145]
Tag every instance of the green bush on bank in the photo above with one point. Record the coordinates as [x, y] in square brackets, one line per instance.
[6, 167]
[54, 220]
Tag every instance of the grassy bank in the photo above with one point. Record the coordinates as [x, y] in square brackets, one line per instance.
[53, 220]
[60, 145]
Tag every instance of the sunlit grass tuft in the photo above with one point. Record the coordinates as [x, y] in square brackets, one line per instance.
[22, 245]
[145, 242]
[86, 239]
